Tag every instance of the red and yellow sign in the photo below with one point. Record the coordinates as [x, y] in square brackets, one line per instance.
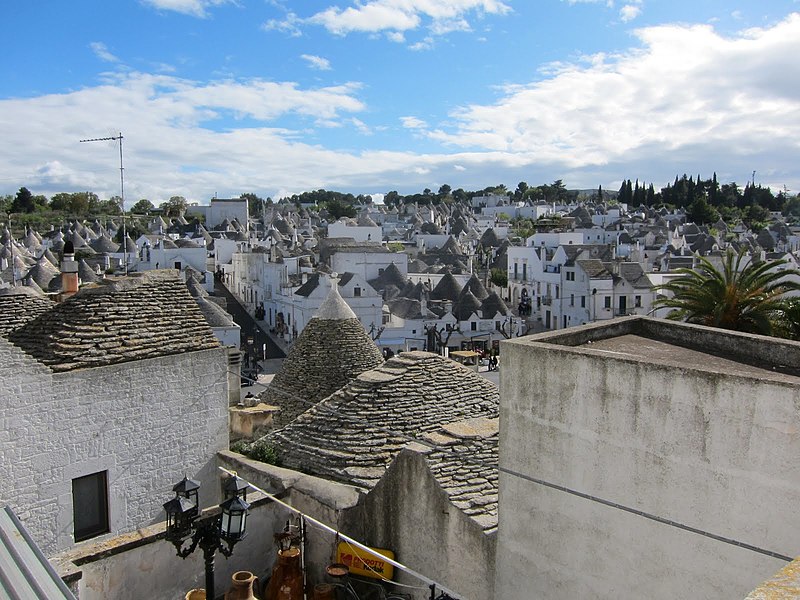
[366, 564]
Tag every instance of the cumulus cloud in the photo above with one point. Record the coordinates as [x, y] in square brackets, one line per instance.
[687, 93]
[101, 51]
[171, 124]
[194, 8]
[413, 123]
[289, 25]
[685, 99]
[629, 12]
[317, 62]
[395, 17]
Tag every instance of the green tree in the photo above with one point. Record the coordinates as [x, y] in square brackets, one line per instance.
[255, 204]
[749, 297]
[23, 201]
[755, 217]
[142, 207]
[499, 277]
[338, 209]
[791, 207]
[701, 212]
[175, 206]
[5, 203]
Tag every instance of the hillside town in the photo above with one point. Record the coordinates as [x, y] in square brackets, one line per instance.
[498, 411]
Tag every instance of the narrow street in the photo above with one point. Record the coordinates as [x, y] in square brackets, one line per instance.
[250, 329]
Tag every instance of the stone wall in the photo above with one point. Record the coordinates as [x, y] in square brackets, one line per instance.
[143, 565]
[409, 513]
[147, 423]
[708, 448]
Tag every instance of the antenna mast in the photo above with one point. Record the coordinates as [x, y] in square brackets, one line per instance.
[119, 138]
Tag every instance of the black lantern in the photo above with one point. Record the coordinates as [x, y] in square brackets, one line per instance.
[209, 532]
[181, 513]
[235, 486]
[232, 526]
[189, 489]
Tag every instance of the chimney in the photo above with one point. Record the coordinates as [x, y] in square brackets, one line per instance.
[69, 271]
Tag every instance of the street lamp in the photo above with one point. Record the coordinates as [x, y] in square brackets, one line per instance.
[209, 533]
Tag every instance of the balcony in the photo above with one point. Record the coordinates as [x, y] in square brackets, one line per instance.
[547, 300]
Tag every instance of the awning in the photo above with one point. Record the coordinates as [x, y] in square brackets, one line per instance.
[25, 573]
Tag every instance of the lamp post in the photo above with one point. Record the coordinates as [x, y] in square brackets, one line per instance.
[209, 533]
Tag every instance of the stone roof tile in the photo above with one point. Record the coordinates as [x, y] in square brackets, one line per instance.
[367, 422]
[143, 315]
[18, 305]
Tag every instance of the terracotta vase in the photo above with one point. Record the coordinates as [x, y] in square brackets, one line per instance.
[286, 582]
[196, 594]
[324, 591]
[242, 589]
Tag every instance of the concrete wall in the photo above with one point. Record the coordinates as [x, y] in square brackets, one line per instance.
[711, 449]
[409, 513]
[147, 423]
[143, 565]
[358, 233]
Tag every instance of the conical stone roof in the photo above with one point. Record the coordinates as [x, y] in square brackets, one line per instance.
[20, 304]
[345, 437]
[492, 305]
[86, 273]
[331, 351]
[104, 244]
[141, 316]
[475, 286]
[467, 305]
[43, 273]
[447, 288]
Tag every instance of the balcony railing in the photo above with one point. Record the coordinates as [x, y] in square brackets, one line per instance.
[547, 300]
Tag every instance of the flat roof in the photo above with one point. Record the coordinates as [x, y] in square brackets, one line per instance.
[637, 346]
[681, 345]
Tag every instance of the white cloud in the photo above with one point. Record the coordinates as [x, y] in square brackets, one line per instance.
[395, 36]
[686, 100]
[101, 51]
[424, 44]
[361, 126]
[169, 144]
[687, 94]
[317, 62]
[290, 25]
[413, 123]
[194, 8]
[629, 12]
[397, 16]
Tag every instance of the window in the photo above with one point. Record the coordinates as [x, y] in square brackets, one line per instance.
[637, 301]
[570, 275]
[474, 326]
[90, 505]
[516, 270]
[356, 292]
[583, 301]
[606, 301]
[525, 271]
[572, 299]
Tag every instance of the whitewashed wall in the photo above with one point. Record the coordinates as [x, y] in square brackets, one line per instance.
[146, 422]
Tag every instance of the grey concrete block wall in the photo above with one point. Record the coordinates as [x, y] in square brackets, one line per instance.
[145, 422]
[709, 449]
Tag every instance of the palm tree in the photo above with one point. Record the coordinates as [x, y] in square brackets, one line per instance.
[750, 298]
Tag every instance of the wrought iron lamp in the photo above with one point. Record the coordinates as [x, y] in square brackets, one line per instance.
[184, 523]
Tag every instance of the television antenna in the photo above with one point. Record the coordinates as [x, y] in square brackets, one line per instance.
[119, 138]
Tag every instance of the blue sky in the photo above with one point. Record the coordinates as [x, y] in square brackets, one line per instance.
[277, 97]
